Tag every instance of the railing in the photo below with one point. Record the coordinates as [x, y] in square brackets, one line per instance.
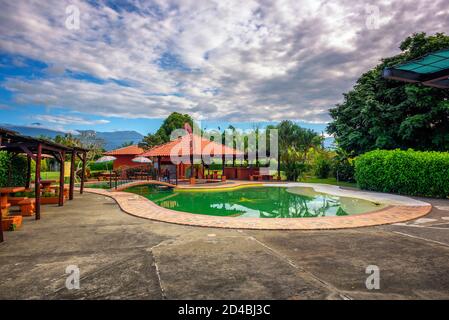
[141, 173]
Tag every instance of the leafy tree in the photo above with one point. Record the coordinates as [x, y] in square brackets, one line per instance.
[295, 144]
[68, 140]
[86, 140]
[174, 121]
[388, 114]
[343, 169]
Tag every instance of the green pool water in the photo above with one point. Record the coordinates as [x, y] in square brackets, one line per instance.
[261, 202]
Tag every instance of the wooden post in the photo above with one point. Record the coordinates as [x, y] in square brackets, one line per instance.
[279, 166]
[192, 166]
[72, 175]
[1, 230]
[202, 169]
[1, 224]
[158, 168]
[257, 148]
[28, 181]
[223, 164]
[176, 174]
[37, 182]
[83, 173]
[61, 178]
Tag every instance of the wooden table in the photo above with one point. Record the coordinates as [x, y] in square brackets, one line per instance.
[4, 193]
[46, 185]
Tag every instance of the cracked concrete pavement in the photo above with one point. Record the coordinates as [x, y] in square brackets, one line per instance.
[125, 257]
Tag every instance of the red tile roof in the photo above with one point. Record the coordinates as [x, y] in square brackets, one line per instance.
[130, 150]
[181, 146]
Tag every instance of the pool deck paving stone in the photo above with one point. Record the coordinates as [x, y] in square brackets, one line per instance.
[125, 257]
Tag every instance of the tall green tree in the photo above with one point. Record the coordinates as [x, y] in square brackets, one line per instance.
[295, 144]
[388, 114]
[174, 121]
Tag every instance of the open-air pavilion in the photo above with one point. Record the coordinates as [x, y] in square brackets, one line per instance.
[35, 149]
[430, 70]
[176, 157]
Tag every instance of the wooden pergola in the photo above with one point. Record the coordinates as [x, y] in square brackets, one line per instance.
[34, 149]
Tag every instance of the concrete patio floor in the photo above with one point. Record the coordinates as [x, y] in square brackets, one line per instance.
[125, 257]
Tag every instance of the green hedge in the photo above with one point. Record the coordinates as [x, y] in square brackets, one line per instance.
[100, 166]
[404, 172]
[18, 167]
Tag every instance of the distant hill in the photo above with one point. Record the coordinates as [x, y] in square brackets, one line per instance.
[32, 131]
[113, 140]
[116, 139]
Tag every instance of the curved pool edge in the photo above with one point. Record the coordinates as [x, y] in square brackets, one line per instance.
[377, 197]
[139, 206]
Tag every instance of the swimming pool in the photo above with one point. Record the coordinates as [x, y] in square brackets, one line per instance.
[260, 202]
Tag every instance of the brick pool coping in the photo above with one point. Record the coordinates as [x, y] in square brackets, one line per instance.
[139, 206]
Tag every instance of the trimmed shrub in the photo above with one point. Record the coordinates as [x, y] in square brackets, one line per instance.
[408, 172]
[102, 166]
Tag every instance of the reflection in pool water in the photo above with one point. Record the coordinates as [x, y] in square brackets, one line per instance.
[261, 202]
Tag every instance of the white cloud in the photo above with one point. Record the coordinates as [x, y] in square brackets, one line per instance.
[68, 120]
[236, 60]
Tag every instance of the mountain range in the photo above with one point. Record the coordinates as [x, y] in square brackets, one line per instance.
[112, 140]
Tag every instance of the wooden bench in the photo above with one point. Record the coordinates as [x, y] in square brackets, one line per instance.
[4, 209]
[14, 201]
[27, 207]
[11, 223]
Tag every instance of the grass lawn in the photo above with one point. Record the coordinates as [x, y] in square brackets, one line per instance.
[332, 181]
[50, 175]
[55, 176]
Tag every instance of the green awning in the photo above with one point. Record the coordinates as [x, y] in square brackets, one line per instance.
[430, 70]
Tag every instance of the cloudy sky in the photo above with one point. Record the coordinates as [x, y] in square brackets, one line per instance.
[128, 64]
